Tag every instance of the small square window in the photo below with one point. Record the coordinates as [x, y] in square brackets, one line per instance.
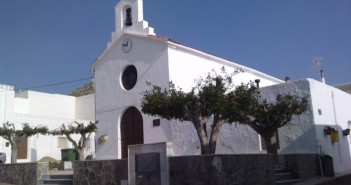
[319, 111]
[62, 142]
[156, 122]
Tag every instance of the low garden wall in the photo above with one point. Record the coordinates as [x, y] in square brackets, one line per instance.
[255, 169]
[22, 173]
[102, 172]
[248, 169]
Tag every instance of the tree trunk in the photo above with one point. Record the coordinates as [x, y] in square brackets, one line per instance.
[199, 122]
[271, 145]
[13, 152]
[80, 154]
[214, 136]
[201, 132]
[205, 147]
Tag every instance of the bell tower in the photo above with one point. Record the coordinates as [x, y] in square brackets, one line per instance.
[129, 18]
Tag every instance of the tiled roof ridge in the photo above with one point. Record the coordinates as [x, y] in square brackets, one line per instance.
[343, 85]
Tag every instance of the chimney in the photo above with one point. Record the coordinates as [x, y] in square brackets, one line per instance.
[322, 76]
[257, 81]
[287, 79]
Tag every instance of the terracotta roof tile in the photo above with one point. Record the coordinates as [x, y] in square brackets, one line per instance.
[344, 87]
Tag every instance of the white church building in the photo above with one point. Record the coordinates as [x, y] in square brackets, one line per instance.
[43, 109]
[136, 57]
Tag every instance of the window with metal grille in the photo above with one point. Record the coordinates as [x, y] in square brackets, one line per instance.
[62, 142]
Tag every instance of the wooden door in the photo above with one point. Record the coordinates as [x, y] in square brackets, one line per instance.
[22, 149]
[131, 129]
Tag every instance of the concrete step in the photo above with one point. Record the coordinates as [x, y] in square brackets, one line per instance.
[48, 177]
[55, 182]
[288, 182]
[285, 176]
[56, 179]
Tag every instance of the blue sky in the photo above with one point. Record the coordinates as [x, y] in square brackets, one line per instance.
[53, 41]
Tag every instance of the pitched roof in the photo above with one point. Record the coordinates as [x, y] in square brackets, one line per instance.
[344, 87]
[218, 59]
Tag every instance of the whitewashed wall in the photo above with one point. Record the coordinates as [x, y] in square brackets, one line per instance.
[85, 107]
[149, 57]
[185, 66]
[50, 105]
[335, 108]
[299, 136]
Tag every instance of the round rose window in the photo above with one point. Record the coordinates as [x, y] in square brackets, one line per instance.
[129, 77]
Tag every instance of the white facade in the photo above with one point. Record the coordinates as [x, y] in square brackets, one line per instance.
[42, 109]
[157, 60]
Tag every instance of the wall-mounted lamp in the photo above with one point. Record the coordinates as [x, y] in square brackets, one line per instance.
[103, 138]
[346, 132]
[328, 130]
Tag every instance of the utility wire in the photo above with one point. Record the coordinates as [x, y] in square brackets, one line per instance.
[54, 84]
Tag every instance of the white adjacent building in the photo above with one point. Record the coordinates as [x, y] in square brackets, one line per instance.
[329, 109]
[43, 109]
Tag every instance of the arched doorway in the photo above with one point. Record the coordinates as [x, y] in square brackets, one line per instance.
[131, 129]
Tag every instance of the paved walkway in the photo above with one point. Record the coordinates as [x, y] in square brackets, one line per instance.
[339, 179]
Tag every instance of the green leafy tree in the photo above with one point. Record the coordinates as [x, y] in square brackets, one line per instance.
[212, 97]
[78, 128]
[86, 89]
[8, 131]
[265, 117]
[216, 97]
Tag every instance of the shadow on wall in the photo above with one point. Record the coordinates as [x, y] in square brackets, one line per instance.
[297, 141]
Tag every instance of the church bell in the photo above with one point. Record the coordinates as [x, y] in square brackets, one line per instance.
[128, 21]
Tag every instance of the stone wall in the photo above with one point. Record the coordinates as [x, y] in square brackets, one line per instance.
[255, 169]
[103, 172]
[248, 169]
[22, 173]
